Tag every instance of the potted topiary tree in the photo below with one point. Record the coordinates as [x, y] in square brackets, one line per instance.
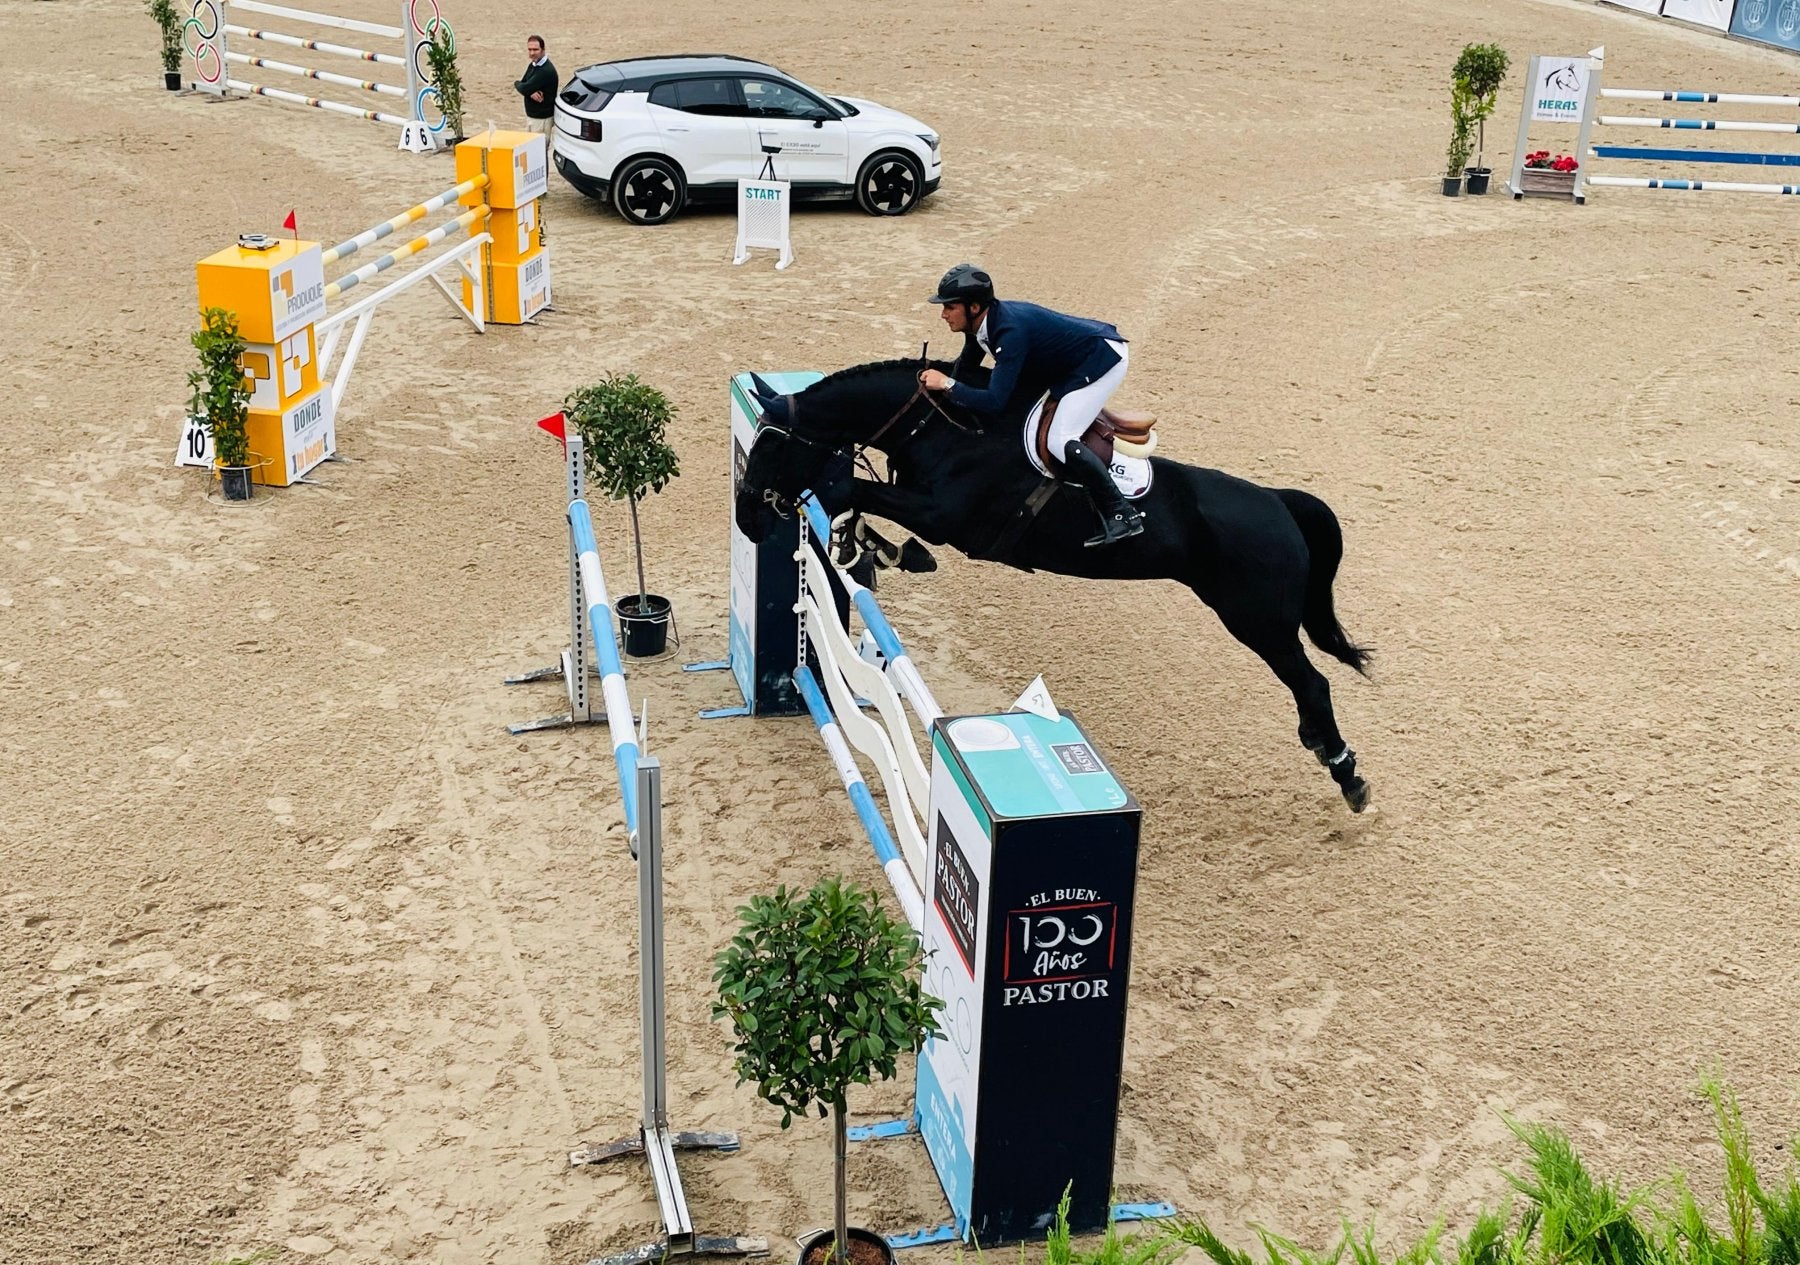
[168, 21]
[623, 425]
[1462, 137]
[823, 992]
[1479, 72]
[440, 55]
[220, 401]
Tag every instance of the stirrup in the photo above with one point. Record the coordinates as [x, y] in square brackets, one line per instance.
[1117, 527]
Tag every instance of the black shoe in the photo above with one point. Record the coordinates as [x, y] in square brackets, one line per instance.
[1119, 520]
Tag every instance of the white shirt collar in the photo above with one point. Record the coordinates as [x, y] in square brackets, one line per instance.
[541, 59]
[981, 334]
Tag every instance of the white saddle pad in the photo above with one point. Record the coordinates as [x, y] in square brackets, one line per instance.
[1132, 474]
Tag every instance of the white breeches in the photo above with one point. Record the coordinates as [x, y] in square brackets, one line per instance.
[1078, 409]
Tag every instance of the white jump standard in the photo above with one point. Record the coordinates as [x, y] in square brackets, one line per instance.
[209, 29]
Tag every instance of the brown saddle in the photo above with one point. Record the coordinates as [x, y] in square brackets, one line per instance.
[1110, 426]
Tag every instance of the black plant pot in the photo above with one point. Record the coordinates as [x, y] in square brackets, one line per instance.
[646, 630]
[815, 1248]
[1453, 186]
[235, 483]
[1478, 179]
[172, 80]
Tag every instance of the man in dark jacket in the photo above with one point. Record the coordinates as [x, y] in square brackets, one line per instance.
[1076, 363]
[538, 87]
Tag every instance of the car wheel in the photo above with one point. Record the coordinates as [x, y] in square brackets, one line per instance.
[648, 191]
[890, 183]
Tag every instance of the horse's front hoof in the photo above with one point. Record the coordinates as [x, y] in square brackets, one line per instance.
[1357, 795]
[916, 557]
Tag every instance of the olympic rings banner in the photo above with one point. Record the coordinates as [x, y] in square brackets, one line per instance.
[203, 40]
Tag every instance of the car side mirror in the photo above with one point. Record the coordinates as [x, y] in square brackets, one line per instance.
[818, 117]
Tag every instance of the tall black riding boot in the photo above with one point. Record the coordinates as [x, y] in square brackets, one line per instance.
[1119, 519]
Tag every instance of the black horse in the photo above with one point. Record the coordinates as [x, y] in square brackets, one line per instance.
[1262, 558]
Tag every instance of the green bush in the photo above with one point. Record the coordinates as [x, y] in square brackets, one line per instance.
[1475, 88]
[1561, 1214]
[168, 22]
[624, 426]
[218, 396]
[822, 991]
[440, 56]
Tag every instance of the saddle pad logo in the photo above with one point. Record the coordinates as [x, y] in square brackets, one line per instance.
[1131, 474]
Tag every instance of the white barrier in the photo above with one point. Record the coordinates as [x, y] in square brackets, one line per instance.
[1553, 103]
[891, 745]
[209, 30]
[462, 260]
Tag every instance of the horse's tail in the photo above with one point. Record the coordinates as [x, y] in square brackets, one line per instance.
[1325, 542]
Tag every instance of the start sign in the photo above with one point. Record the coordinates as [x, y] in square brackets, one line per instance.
[762, 219]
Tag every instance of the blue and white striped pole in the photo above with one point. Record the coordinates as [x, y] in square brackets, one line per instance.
[900, 665]
[606, 649]
[892, 863]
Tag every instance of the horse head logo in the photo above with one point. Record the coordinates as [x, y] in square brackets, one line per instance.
[1563, 79]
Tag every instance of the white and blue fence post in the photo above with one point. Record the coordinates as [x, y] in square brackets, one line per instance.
[576, 662]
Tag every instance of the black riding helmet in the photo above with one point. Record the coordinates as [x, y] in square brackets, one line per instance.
[965, 283]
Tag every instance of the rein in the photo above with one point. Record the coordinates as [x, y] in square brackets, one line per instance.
[792, 432]
[919, 392]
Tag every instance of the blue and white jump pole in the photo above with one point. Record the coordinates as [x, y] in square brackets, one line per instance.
[591, 626]
[606, 647]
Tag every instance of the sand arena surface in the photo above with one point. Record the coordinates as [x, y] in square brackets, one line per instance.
[299, 948]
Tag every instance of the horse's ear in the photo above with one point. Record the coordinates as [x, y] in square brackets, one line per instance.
[764, 391]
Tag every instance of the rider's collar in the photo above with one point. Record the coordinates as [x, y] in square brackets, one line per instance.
[981, 331]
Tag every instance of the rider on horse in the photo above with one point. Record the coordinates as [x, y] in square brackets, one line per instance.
[1077, 363]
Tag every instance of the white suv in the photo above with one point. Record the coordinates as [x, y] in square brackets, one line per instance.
[652, 134]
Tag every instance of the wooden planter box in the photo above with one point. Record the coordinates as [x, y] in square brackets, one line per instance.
[1543, 180]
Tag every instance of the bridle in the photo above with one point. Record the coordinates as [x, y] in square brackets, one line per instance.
[782, 505]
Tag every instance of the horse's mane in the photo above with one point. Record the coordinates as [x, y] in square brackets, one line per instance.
[857, 372]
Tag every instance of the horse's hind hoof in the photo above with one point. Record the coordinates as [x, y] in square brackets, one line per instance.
[1357, 795]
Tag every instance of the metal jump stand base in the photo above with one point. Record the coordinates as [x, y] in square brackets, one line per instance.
[660, 1152]
[655, 1141]
[581, 711]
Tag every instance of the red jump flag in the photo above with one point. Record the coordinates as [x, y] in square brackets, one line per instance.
[554, 425]
[290, 224]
